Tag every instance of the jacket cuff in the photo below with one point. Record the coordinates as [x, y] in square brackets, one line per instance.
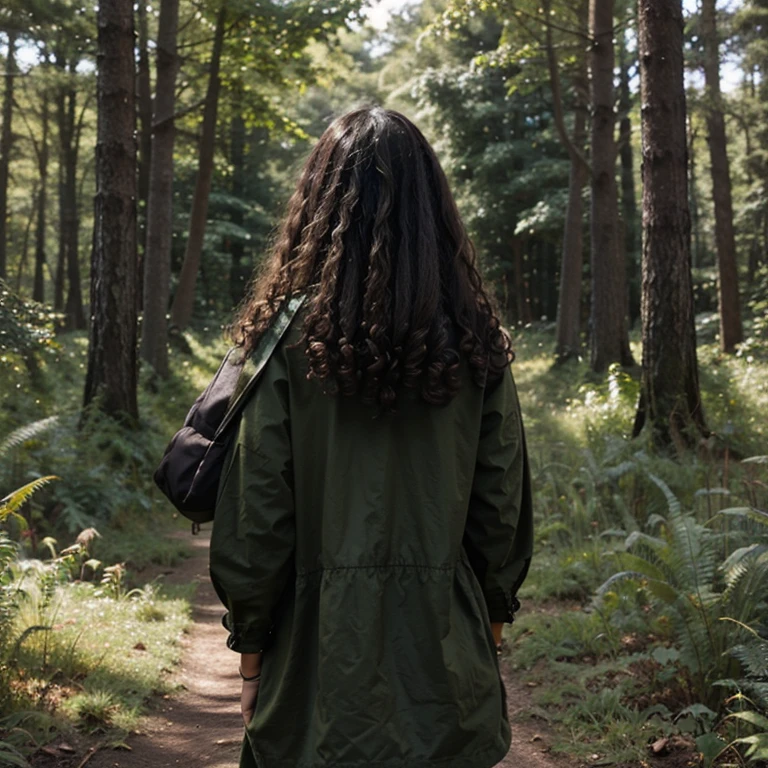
[502, 607]
[245, 637]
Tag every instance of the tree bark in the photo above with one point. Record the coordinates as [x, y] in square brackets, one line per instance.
[157, 258]
[693, 196]
[75, 314]
[628, 198]
[69, 223]
[111, 378]
[670, 403]
[629, 222]
[24, 256]
[6, 143]
[609, 332]
[239, 272]
[568, 342]
[61, 257]
[38, 288]
[144, 92]
[728, 279]
[184, 300]
[753, 259]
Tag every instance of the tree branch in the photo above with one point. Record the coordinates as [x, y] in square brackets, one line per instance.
[574, 152]
[180, 113]
[551, 25]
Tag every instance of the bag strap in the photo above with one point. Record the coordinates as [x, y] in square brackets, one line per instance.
[267, 345]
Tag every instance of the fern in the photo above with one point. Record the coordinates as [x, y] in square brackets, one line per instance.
[14, 501]
[9, 755]
[672, 500]
[678, 565]
[757, 743]
[27, 432]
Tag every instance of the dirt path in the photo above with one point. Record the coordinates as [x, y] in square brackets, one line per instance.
[201, 726]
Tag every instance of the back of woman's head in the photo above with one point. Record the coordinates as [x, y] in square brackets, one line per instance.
[373, 237]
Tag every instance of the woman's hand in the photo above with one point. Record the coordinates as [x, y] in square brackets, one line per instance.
[248, 697]
[496, 628]
[250, 666]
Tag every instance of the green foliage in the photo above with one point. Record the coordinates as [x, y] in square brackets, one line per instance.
[679, 545]
[54, 656]
[11, 504]
[681, 570]
[752, 688]
[758, 304]
[51, 646]
[26, 327]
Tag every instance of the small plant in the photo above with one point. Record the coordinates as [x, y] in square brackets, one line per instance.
[13, 502]
[95, 710]
[113, 582]
[678, 569]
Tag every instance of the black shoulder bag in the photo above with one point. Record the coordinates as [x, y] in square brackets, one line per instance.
[190, 470]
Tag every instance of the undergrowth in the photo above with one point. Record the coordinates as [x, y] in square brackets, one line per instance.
[84, 640]
[76, 652]
[658, 565]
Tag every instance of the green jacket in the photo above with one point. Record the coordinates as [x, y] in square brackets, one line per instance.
[367, 554]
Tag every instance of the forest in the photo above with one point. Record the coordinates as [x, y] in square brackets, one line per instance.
[610, 161]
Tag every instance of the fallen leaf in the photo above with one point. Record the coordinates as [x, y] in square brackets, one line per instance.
[659, 745]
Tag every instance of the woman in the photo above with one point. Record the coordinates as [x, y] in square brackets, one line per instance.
[374, 519]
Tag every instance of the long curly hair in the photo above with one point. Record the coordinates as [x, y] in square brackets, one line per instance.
[373, 237]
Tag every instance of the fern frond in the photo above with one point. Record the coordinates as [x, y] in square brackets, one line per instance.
[14, 501]
[752, 513]
[755, 460]
[27, 432]
[672, 500]
[753, 657]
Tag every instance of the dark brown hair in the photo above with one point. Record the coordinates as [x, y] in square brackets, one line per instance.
[372, 235]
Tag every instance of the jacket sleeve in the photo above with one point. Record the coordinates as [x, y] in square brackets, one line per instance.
[253, 539]
[498, 536]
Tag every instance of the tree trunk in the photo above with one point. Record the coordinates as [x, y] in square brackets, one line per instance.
[75, 314]
[69, 224]
[728, 277]
[239, 272]
[157, 259]
[693, 196]
[111, 379]
[629, 244]
[568, 343]
[61, 257]
[608, 332]
[24, 256]
[38, 289]
[144, 92]
[628, 199]
[6, 142]
[184, 300]
[670, 403]
[753, 258]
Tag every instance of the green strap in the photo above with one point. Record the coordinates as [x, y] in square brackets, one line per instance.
[258, 361]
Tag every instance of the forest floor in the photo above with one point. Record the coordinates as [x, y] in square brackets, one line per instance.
[201, 727]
